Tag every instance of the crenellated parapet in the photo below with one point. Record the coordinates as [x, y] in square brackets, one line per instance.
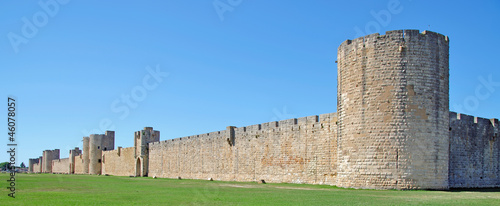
[474, 152]
[298, 150]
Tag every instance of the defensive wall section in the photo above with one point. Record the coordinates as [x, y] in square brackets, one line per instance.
[393, 130]
[119, 162]
[299, 150]
[302, 150]
[37, 168]
[61, 166]
[131, 161]
[89, 160]
[79, 165]
[72, 158]
[474, 152]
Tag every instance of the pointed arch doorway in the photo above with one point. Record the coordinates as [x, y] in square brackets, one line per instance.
[138, 168]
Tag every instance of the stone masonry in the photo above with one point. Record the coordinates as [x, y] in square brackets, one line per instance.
[132, 161]
[393, 130]
[61, 166]
[393, 111]
[35, 165]
[299, 150]
[48, 156]
[72, 154]
[474, 152]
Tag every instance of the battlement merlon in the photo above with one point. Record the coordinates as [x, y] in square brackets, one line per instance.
[402, 35]
[454, 116]
[75, 152]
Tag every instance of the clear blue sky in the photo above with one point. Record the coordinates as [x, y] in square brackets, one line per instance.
[262, 61]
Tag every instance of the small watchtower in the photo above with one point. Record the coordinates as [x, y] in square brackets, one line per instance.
[141, 140]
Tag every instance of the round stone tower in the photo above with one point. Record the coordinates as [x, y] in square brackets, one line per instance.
[393, 111]
[86, 155]
[95, 154]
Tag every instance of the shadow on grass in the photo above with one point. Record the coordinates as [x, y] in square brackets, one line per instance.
[496, 189]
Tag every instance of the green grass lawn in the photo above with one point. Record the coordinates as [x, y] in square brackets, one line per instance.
[53, 189]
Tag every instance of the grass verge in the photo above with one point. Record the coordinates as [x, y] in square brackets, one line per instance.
[58, 189]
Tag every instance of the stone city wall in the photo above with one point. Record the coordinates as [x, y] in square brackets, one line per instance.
[80, 165]
[474, 152]
[119, 162]
[302, 150]
[37, 167]
[60, 166]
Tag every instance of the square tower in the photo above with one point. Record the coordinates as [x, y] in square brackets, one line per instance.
[48, 156]
[72, 154]
[141, 140]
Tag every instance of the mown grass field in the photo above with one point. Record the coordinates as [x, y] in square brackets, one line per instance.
[53, 189]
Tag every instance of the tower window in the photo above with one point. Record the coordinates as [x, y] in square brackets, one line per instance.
[98, 147]
[99, 160]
